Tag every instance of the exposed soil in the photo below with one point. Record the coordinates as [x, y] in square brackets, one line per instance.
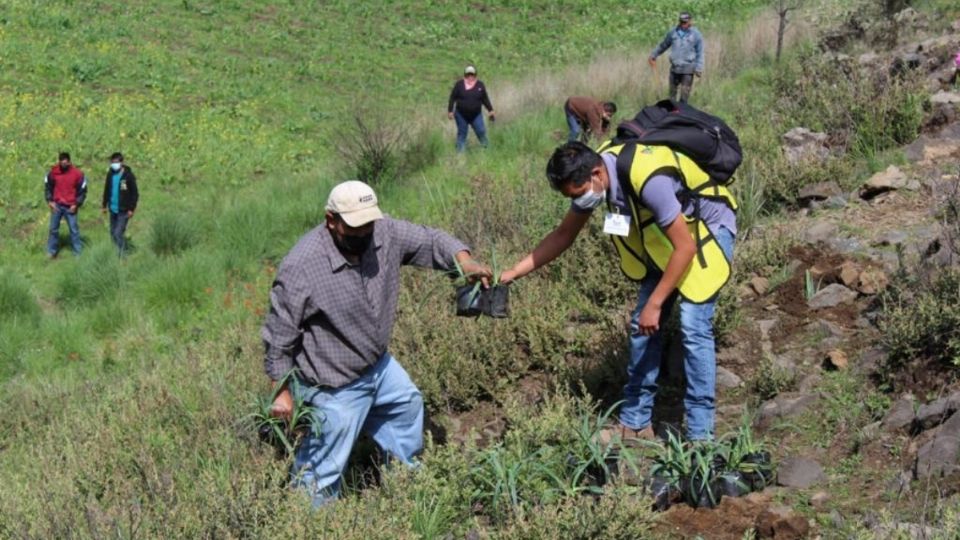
[729, 519]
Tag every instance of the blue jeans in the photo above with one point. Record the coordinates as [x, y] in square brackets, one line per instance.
[462, 126]
[383, 402]
[53, 242]
[574, 126]
[699, 359]
[118, 225]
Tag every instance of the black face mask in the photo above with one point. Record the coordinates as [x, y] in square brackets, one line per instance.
[353, 245]
[63, 168]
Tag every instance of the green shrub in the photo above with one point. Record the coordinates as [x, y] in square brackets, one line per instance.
[172, 233]
[920, 318]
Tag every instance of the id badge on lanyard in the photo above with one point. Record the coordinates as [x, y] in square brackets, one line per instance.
[616, 223]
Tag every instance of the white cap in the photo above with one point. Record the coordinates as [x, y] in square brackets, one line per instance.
[355, 202]
[469, 70]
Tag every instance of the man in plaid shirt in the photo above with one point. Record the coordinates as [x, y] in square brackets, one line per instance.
[332, 309]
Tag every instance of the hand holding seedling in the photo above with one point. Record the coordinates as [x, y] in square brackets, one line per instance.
[473, 270]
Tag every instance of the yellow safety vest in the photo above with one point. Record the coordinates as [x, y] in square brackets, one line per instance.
[646, 242]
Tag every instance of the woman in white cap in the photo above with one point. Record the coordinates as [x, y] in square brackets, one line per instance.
[467, 99]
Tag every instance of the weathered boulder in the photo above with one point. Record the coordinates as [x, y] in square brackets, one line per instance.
[800, 472]
[888, 180]
[784, 405]
[820, 191]
[831, 296]
[900, 415]
[820, 231]
[802, 145]
[939, 456]
[932, 414]
[727, 378]
[944, 97]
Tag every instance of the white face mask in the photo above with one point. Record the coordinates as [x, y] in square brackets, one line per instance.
[116, 166]
[591, 199]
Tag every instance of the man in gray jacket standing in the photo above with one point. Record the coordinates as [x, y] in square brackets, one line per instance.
[686, 56]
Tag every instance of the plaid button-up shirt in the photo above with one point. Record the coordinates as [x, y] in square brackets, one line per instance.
[331, 319]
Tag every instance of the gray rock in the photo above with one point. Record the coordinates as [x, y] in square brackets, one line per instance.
[727, 378]
[801, 145]
[845, 245]
[900, 415]
[871, 359]
[949, 98]
[800, 472]
[785, 363]
[820, 191]
[927, 149]
[810, 383]
[766, 325]
[820, 231]
[831, 296]
[891, 238]
[890, 179]
[939, 456]
[826, 328]
[871, 431]
[784, 406]
[934, 413]
[835, 202]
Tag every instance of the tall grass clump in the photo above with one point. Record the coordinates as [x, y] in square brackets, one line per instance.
[96, 275]
[180, 284]
[251, 231]
[17, 302]
[172, 233]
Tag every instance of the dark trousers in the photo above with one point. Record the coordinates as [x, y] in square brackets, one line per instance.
[685, 82]
[118, 225]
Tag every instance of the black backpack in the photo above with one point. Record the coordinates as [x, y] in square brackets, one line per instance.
[700, 136]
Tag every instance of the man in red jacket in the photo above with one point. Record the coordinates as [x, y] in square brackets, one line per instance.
[65, 188]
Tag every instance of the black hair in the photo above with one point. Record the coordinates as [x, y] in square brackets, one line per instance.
[571, 163]
[116, 156]
[64, 156]
[610, 107]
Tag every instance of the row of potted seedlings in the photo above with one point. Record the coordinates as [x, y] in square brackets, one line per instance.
[702, 474]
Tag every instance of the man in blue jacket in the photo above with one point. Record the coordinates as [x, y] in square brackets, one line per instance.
[120, 196]
[686, 56]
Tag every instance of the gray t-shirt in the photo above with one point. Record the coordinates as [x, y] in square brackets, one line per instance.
[659, 195]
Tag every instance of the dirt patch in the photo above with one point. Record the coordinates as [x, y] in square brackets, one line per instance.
[729, 520]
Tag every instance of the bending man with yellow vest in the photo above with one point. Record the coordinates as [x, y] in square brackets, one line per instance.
[674, 230]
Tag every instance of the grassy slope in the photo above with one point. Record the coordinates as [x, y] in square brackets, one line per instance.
[120, 368]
